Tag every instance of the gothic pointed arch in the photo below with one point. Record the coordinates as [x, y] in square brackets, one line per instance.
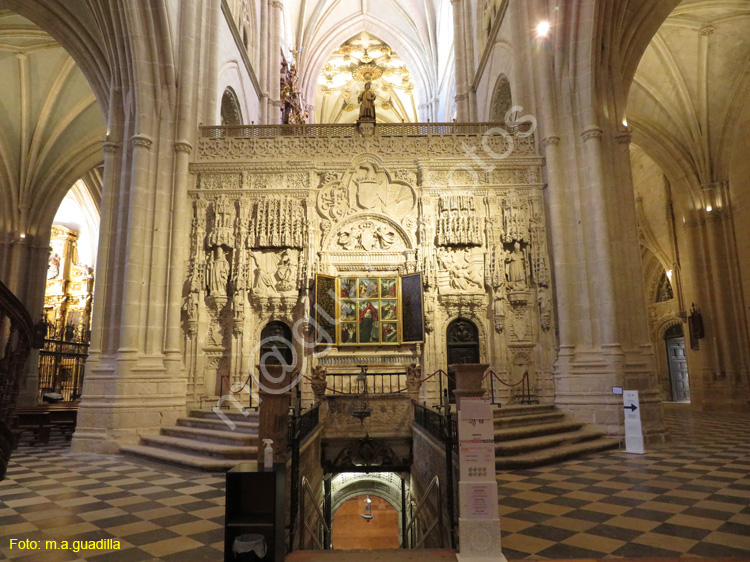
[231, 114]
[502, 99]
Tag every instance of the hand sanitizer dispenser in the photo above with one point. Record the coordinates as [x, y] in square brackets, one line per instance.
[268, 455]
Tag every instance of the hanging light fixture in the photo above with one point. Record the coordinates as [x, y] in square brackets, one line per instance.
[367, 515]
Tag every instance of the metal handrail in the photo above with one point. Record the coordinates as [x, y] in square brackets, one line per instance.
[435, 482]
[308, 490]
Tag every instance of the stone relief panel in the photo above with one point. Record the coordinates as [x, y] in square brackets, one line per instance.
[265, 222]
[368, 233]
[460, 270]
[366, 188]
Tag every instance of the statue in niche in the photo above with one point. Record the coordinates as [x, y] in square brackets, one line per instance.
[218, 274]
[544, 310]
[367, 104]
[191, 306]
[53, 269]
[285, 273]
[516, 273]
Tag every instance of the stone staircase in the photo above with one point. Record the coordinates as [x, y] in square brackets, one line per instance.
[540, 434]
[202, 441]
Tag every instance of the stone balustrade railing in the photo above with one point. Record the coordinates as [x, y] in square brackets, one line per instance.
[347, 130]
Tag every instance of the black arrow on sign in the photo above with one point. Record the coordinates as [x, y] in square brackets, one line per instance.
[632, 407]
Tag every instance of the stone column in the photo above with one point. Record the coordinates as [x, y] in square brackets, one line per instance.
[263, 62]
[462, 95]
[275, 400]
[274, 62]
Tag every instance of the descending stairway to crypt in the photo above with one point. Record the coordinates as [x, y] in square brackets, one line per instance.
[202, 441]
[534, 435]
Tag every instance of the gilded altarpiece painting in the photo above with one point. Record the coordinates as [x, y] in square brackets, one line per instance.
[379, 238]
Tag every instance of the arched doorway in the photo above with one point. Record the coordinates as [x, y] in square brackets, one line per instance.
[351, 531]
[276, 344]
[462, 342]
[677, 362]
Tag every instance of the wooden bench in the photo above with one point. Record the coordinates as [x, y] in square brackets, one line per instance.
[40, 420]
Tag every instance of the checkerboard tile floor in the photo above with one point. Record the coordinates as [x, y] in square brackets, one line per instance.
[690, 497]
[156, 513]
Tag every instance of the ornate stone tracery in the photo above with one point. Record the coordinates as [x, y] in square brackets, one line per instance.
[400, 205]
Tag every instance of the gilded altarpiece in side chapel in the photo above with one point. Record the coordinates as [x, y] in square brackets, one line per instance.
[438, 216]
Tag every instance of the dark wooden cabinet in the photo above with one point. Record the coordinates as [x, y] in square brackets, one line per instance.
[255, 504]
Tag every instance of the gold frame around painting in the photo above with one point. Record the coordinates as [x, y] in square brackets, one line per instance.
[358, 301]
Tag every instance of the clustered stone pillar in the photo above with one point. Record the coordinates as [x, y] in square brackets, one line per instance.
[459, 52]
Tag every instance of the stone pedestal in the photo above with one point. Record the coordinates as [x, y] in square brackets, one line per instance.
[468, 380]
[273, 413]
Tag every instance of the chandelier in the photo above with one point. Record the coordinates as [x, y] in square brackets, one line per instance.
[363, 59]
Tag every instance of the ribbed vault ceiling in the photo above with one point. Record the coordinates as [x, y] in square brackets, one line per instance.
[49, 117]
[691, 83]
[409, 27]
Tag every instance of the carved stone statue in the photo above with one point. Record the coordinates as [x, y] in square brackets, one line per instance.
[545, 312]
[218, 274]
[413, 381]
[367, 104]
[318, 383]
[517, 278]
[285, 274]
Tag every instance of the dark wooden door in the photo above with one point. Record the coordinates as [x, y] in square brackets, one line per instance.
[462, 340]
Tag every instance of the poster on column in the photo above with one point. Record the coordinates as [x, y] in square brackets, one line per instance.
[475, 423]
[478, 500]
[477, 462]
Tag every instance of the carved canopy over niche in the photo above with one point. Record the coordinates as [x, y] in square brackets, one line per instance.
[366, 188]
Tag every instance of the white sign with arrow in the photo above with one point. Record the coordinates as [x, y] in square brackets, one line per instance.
[633, 429]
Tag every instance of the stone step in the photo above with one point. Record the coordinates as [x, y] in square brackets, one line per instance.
[523, 432]
[514, 410]
[231, 413]
[519, 446]
[211, 436]
[250, 428]
[554, 454]
[180, 459]
[190, 446]
[531, 419]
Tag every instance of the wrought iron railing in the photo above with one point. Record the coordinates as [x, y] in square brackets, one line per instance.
[61, 368]
[17, 337]
[376, 383]
[320, 521]
[409, 539]
[308, 422]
